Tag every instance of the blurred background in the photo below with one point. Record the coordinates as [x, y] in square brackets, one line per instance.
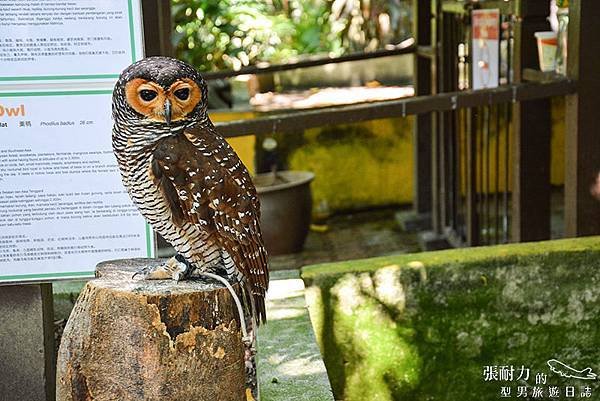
[232, 34]
[270, 58]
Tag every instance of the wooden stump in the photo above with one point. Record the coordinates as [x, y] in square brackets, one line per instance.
[130, 339]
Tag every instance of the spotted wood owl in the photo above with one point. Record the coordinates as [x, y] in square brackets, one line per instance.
[184, 177]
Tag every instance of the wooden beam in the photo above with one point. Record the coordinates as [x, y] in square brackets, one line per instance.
[405, 47]
[582, 142]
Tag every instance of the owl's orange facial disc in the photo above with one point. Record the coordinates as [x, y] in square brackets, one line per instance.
[184, 95]
[147, 98]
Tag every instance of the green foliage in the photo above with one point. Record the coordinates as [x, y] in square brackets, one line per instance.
[231, 34]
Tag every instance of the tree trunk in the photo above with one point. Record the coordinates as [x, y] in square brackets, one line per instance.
[131, 339]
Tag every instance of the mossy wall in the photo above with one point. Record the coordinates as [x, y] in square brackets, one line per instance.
[423, 326]
[371, 164]
[359, 165]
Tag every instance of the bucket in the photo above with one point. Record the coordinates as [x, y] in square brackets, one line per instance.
[547, 42]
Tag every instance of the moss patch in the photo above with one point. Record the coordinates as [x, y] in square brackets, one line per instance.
[376, 158]
[424, 326]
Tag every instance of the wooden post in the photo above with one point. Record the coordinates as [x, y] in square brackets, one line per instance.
[130, 339]
[435, 89]
[434, 239]
[472, 218]
[532, 132]
[157, 28]
[419, 218]
[422, 130]
[582, 141]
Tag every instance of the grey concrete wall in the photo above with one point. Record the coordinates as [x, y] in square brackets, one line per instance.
[26, 343]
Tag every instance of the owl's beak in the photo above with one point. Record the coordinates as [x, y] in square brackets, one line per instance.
[168, 111]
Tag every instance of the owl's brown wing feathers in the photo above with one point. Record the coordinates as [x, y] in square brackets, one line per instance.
[207, 186]
[169, 192]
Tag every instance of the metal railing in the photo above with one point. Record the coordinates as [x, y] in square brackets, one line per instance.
[405, 47]
[472, 167]
[450, 101]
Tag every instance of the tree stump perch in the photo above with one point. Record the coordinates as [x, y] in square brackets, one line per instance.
[130, 339]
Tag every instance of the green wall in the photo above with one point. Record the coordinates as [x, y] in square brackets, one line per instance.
[359, 165]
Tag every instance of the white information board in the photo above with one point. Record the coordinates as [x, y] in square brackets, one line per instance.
[486, 47]
[75, 39]
[63, 208]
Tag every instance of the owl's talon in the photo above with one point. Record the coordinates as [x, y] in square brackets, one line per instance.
[143, 273]
[173, 269]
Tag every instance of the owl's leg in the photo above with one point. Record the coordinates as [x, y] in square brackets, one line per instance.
[216, 261]
[175, 268]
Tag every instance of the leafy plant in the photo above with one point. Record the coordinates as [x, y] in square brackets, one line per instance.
[231, 34]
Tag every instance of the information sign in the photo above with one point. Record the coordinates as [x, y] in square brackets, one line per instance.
[486, 45]
[63, 207]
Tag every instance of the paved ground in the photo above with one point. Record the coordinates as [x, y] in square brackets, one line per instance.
[373, 233]
[351, 236]
[289, 362]
[346, 236]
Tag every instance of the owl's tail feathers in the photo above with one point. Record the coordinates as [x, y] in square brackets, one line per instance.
[261, 310]
[256, 303]
[253, 261]
[263, 283]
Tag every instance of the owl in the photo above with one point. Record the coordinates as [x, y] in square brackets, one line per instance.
[185, 179]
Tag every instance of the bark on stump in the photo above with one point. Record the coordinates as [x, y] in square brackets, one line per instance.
[129, 339]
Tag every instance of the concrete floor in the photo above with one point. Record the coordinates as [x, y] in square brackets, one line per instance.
[346, 236]
[365, 234]
[375, 233]
[351, 236]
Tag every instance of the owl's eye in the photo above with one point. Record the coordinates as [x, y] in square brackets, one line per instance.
[182, 94]
[148, 95]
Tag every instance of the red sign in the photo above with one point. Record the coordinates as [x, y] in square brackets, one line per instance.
[486, 24]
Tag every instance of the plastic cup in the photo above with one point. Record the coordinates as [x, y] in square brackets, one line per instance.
[547, 42]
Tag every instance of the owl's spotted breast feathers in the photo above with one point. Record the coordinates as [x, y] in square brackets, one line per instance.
[205, 184]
